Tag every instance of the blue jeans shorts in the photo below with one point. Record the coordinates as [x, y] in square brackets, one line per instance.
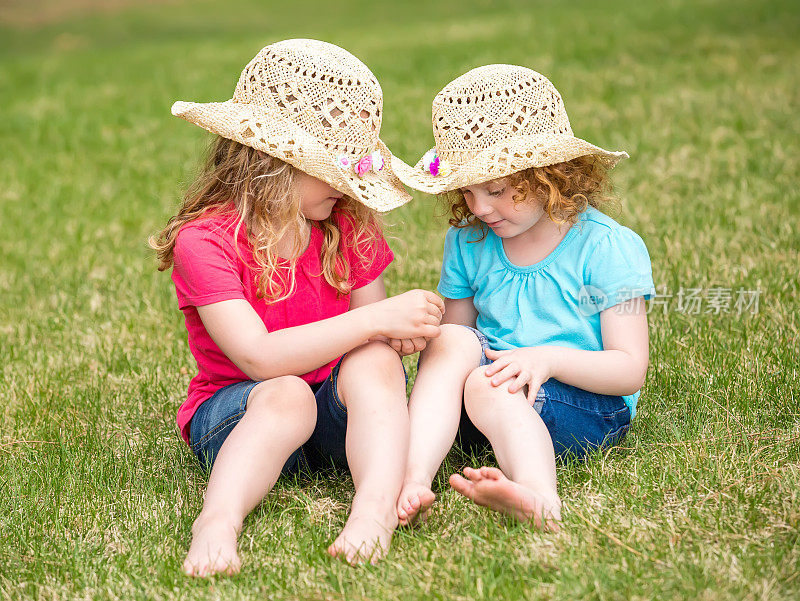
[579, 421]
[216, 417]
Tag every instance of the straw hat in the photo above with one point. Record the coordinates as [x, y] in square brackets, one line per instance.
[316, 107]
[494, 121]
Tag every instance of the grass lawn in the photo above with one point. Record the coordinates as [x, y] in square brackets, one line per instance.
[98, 492]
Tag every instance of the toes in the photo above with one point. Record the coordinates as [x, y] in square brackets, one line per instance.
[473, 474]
[462, 485]
[415, 502]
[492, 473]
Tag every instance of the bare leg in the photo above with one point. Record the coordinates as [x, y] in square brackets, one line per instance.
[372, 386]
[526, 487]
[280, 417]
[434, 413]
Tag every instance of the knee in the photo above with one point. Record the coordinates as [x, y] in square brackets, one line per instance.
[376, 367]
[453, 341]
[287, 396]
[478, 391]
[373, 359]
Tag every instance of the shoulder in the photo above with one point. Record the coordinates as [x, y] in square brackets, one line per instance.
[463, 235]
[599, 230]
[219, 226]
[208, 233]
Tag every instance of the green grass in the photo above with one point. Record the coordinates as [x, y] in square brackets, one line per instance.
[97, 491]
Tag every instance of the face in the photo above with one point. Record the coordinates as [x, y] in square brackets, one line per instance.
[493, 203]
[317, 197]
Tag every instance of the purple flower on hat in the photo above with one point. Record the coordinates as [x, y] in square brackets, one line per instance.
[433, 164]
[363, 165]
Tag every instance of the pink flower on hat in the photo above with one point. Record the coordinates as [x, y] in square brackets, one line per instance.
[343, 161]
[363, 165]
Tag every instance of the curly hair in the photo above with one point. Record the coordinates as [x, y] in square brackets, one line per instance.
[262, 191]
[565, 189]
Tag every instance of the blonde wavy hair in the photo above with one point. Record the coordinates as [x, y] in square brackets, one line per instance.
[262, 192]
[565, 189]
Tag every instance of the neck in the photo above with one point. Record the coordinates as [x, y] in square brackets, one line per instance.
[287, 244]
[536, 243]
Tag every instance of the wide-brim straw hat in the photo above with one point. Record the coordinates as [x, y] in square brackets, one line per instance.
[494, 121]
[317, 107]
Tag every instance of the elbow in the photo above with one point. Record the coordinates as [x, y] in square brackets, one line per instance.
[256, 369]
[636, 378]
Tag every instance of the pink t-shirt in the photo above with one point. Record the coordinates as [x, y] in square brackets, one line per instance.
[207, 269]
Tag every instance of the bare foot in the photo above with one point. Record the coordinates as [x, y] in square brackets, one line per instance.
[490, 488]
[414, 502]
[213, 548]
[364, 538]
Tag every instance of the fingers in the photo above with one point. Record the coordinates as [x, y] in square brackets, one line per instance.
[419, 344]
[432, 320]
[406, 347]
[436, 300]
[523, 378]
[396, 344]
[533, 390]
[497, 365]
[509, 371]
[493, 354]
[429, 331]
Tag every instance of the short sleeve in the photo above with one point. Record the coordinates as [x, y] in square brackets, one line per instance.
[618, 270]
[367, 259]
[453, 282]
[206, 268]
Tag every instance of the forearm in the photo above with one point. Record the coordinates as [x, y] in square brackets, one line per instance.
[301, 349]
[613, 372]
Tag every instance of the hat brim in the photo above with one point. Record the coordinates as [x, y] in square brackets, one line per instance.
[502, 160]
[282, 139]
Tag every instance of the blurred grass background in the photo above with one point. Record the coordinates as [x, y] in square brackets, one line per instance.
[98, 493]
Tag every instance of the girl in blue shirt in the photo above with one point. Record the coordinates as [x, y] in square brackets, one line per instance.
[545, 331]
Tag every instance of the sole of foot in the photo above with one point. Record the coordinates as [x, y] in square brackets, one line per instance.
[489, 487]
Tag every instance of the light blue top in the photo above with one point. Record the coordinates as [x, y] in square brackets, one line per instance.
[556, 301]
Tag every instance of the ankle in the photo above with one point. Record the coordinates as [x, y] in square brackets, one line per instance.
[209, 518]
[548, 493]
[381, 507]
[418, 476]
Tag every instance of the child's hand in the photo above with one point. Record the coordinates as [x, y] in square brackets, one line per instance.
[531, 365]
[408, 346]
[413, 314]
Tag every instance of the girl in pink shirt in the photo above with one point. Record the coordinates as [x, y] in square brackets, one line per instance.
[277, 256]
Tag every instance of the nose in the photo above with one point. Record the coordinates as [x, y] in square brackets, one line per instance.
[479, 207]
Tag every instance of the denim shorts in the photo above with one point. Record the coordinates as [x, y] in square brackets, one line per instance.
[579, 421]
[216, 417]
